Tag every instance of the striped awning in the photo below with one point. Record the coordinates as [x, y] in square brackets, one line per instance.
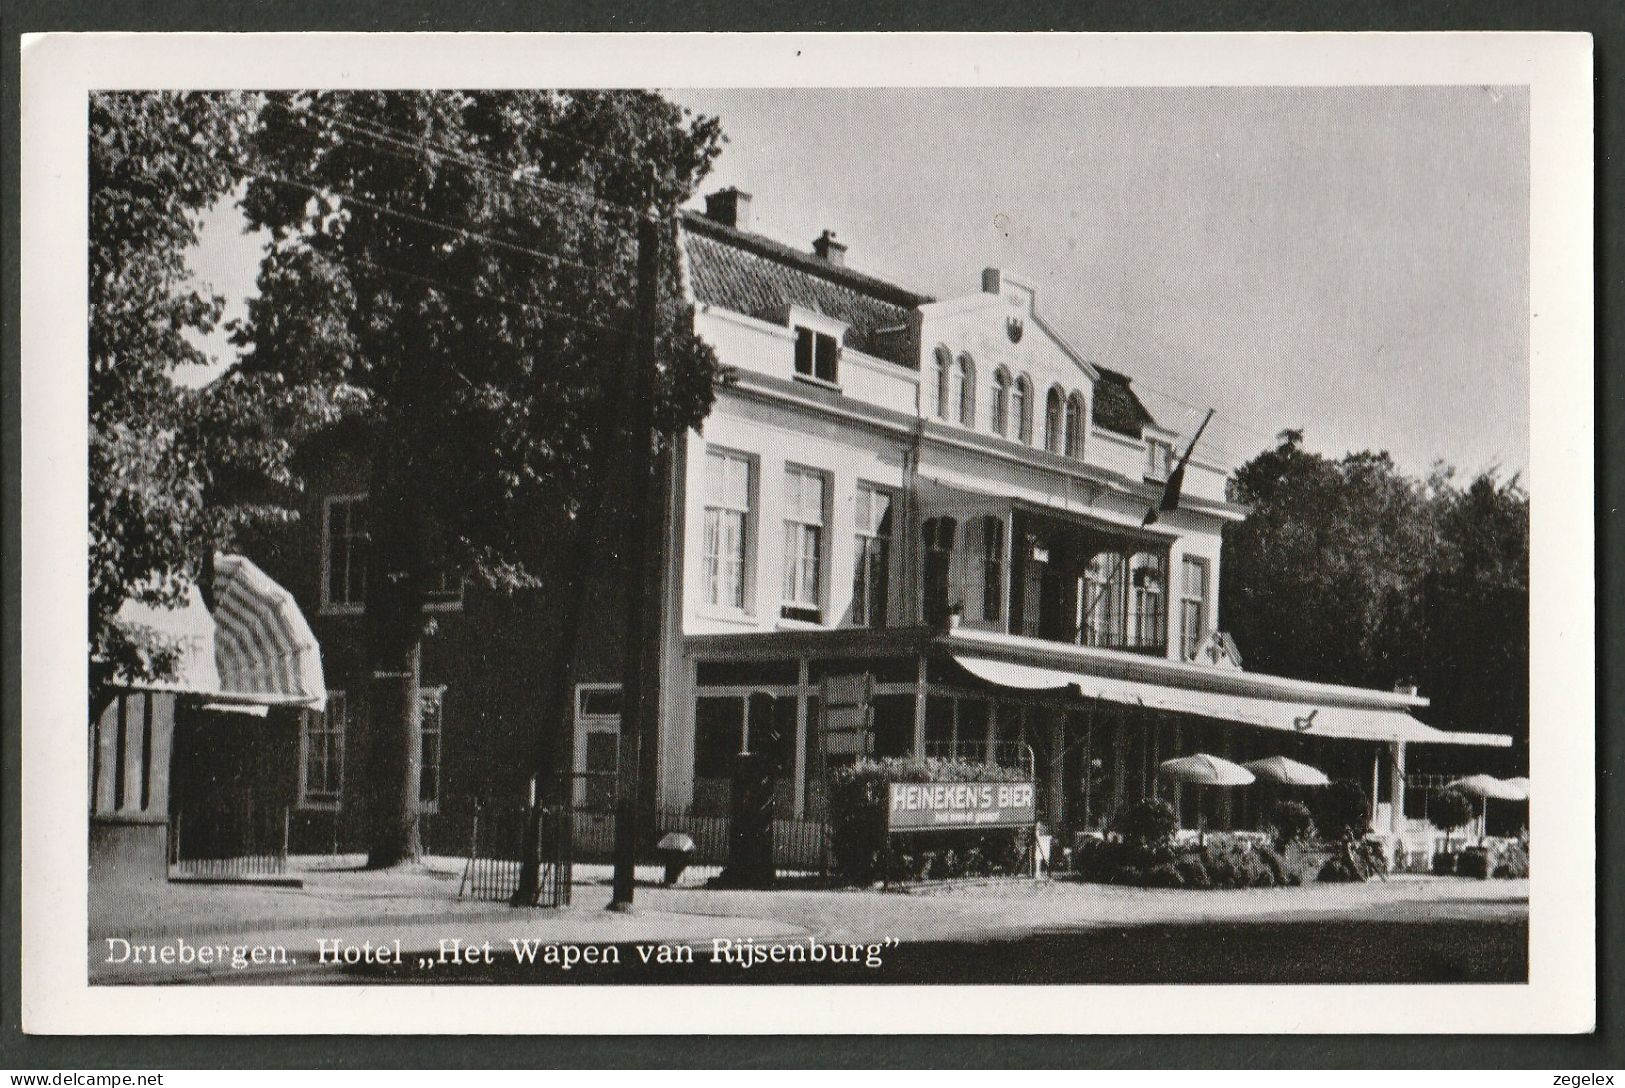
[254, 648]
[263, 647]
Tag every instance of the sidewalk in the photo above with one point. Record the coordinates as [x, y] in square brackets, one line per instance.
[419, 908]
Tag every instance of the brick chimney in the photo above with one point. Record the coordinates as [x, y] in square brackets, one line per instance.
[730, 207]
[828, 249]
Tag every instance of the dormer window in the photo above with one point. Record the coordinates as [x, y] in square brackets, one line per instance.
[818, 355]
[1159, 458]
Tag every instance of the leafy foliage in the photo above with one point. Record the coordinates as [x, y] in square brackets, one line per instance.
[174, 472]
[858, 837]
[1289, 822]
[470, 261]
[1449, 810]
[1342, 808]
[1349, 571]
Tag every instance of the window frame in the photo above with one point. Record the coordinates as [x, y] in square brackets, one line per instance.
[945, 368]
[747, 535]
[1154, 470]
[999, 409]
[436, 692]
[869, 538]
[789, 604]
[330, 606]
[1054, 420]
[1074, 424]
[1187, 638]
[327, 801]
[965, 410]
[1023, 389]
[592, 722]
[817, 339]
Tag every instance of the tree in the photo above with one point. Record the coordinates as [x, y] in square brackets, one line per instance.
[468, 261]
[174, 472]
[1351, 572]
[1450, 810]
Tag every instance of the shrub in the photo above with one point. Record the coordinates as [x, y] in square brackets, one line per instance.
[858, 824]
[1165, 875]
[1337, 870]
[1289, 822]
[1193, 872]
[1449, 810]
[1343, 809]
[1473, 862]
[1444, 864]
[1513, 864]
[1301, 863]
[1147, 830]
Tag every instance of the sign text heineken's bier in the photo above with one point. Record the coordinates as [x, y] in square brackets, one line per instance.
[943, 806]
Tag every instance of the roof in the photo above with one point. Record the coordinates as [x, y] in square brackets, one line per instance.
[753, 275]
[1116, 408]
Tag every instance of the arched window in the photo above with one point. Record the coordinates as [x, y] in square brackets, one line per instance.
[945, 369]
[1052, 420]
[967, 391]
[1074, 426]
[1021, 406]
[1001, 401]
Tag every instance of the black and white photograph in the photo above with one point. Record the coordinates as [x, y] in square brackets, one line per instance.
[840, 534]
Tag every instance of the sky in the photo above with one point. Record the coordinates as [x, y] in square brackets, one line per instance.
[1348, 261]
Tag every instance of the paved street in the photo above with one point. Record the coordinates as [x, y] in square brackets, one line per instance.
[1407, 929]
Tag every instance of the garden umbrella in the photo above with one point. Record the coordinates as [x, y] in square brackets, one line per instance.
[1202, 769]
[1288, 772]
[1485, 787]
[1520, 784]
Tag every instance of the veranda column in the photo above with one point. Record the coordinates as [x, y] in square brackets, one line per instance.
[1396, 794]
[1055, 721]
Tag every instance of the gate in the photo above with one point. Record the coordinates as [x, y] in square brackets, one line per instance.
[498, 842]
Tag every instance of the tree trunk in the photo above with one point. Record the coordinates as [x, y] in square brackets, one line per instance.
[396, 577]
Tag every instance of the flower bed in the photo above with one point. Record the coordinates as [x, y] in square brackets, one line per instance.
[858, 837]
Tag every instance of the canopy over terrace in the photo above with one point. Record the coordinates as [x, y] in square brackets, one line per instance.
[1273, 705]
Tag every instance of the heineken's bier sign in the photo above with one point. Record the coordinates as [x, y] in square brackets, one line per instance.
[945, 806]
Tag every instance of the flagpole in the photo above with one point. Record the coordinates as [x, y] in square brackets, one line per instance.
[1176, 478]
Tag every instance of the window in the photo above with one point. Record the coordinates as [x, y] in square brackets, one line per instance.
[1001, 401]
[1100, 605]
[432, 703]
[727, 525]
[873, 552]
[967, 391]
[598, 745]
[992, 569]
[321, 754]
[938, 536]
[818, 354]
[1074, 426]
[803, 544]
[1159, 456]
[945, 373]
[1021, 406]
[1192, 605]
[1146, 575]
[1052, 420]
[344, 553]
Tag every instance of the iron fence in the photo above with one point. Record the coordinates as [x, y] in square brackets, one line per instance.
[240, 842]
[498, 841]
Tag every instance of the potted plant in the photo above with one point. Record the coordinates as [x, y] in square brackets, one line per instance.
[1448, 811]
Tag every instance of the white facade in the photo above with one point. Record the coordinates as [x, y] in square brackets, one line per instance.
[751, 557]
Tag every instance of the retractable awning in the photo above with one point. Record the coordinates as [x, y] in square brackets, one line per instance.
[254, 648]
[1288, 716]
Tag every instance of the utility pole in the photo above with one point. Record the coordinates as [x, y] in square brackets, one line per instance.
[639, 694]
